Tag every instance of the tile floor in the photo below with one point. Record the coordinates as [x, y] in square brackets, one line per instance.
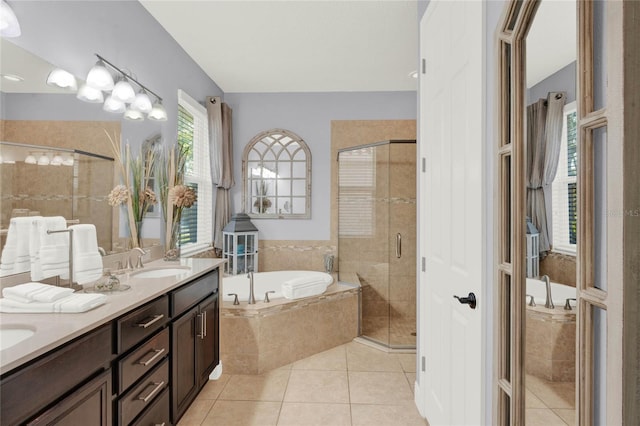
[349, 385]
[549, 403]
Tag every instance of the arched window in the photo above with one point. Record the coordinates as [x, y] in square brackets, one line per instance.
[276, 168]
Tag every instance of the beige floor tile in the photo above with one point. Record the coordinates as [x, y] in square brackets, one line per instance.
[364, 358]
[533, 401]
[196, 413]
[379, 388]
[313, 414]
[265, 387]
[411, 378]
[243, 413]
[552, 394]
[408, 362]
[332, 359]
[568, 415]
[386, 415]
[542, 417]
[213, 388]
[317, 386]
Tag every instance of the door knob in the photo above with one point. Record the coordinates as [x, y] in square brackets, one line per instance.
[469, 300]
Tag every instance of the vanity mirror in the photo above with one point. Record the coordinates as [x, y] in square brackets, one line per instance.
[51, 181]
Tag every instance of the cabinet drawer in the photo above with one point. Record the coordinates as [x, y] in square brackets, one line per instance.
[142, 322]
[142, 360]
[158, 412]
[192, 293]
[142, 395]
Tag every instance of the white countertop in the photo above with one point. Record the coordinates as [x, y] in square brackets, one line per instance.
[53, 330]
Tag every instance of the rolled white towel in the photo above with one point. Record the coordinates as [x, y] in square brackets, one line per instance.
[75, 303]
[36, 292]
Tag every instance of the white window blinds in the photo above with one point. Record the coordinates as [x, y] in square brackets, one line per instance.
[196, 225]
[356, 180]
[564, 187]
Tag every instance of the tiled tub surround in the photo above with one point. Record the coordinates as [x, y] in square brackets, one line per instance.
[258, 338]
[293, 255]
[551, 343]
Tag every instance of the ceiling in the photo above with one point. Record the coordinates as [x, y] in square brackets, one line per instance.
[297, 45]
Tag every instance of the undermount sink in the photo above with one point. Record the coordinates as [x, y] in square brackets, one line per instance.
[160, 272]
[12, 335]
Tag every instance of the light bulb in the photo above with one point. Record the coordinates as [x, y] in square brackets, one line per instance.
[56, 160]
[63, 79]
[157, 113]
[31, 159]
[99, 77]
[133, 115]
[113, 105]
[89, 94]
[123, 91]
[43, 160]
[68, 161]
[142, 102]
[9, 26]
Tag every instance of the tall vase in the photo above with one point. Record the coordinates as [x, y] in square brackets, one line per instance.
[139, 232]
[172, 251]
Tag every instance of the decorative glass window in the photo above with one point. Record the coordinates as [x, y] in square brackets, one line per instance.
[276, 168]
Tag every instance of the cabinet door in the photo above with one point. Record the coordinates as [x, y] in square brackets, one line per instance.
[207, 338]
[183, 351]
[88, 406]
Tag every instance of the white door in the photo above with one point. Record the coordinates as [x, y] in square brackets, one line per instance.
[452, 218]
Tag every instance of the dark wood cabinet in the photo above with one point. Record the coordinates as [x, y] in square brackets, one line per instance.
[144, 367]
[88, 406]
[195, 352]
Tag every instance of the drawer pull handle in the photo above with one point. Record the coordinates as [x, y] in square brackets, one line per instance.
[150, 321]
[157, 387]
[156, 353]
[202, 332]
[204, 325]
[159, 424]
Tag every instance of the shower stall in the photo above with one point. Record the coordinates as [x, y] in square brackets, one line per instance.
[377, 236]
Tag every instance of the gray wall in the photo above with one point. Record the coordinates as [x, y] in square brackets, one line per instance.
[69, 33]
[309, 115]
[563, 80]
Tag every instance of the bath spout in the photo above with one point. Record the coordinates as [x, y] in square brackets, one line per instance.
[252, 298]
[549, 301]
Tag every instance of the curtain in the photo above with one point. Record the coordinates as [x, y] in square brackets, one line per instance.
[544, 135]
[221, 157]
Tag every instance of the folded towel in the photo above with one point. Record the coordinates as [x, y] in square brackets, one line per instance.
[15, 254]
[300, 292]
[75, 303]
[49, 252]
[36, 292]
[87, 261]
[303, 284]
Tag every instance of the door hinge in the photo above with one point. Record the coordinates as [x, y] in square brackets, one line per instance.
[424, 364]
[424, 165]
[424, 66]
[424, 264]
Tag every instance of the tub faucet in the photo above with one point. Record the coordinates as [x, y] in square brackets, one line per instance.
[252, 298]
[548, 303]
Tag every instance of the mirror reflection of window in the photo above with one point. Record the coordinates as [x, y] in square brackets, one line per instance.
[277, 176]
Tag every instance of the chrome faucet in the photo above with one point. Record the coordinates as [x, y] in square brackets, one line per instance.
[139, 264]
[549, 301]
[252, 298]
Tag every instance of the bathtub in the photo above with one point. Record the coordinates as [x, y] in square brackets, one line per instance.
[263, 282]
[550, 339]
[257, 338]
[559, 293]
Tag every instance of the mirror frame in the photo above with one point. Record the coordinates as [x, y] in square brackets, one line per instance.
[253, 146]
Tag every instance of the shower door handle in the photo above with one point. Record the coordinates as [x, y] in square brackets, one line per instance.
[398, 245]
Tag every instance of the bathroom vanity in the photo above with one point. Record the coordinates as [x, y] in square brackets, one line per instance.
[139, 359]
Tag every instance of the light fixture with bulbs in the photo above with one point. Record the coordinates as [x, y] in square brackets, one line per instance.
[63, 79]
[123, 97]
[9, 25]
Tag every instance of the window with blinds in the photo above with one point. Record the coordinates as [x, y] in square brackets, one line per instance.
[564, 187]
[356, 184]
[196, 223]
